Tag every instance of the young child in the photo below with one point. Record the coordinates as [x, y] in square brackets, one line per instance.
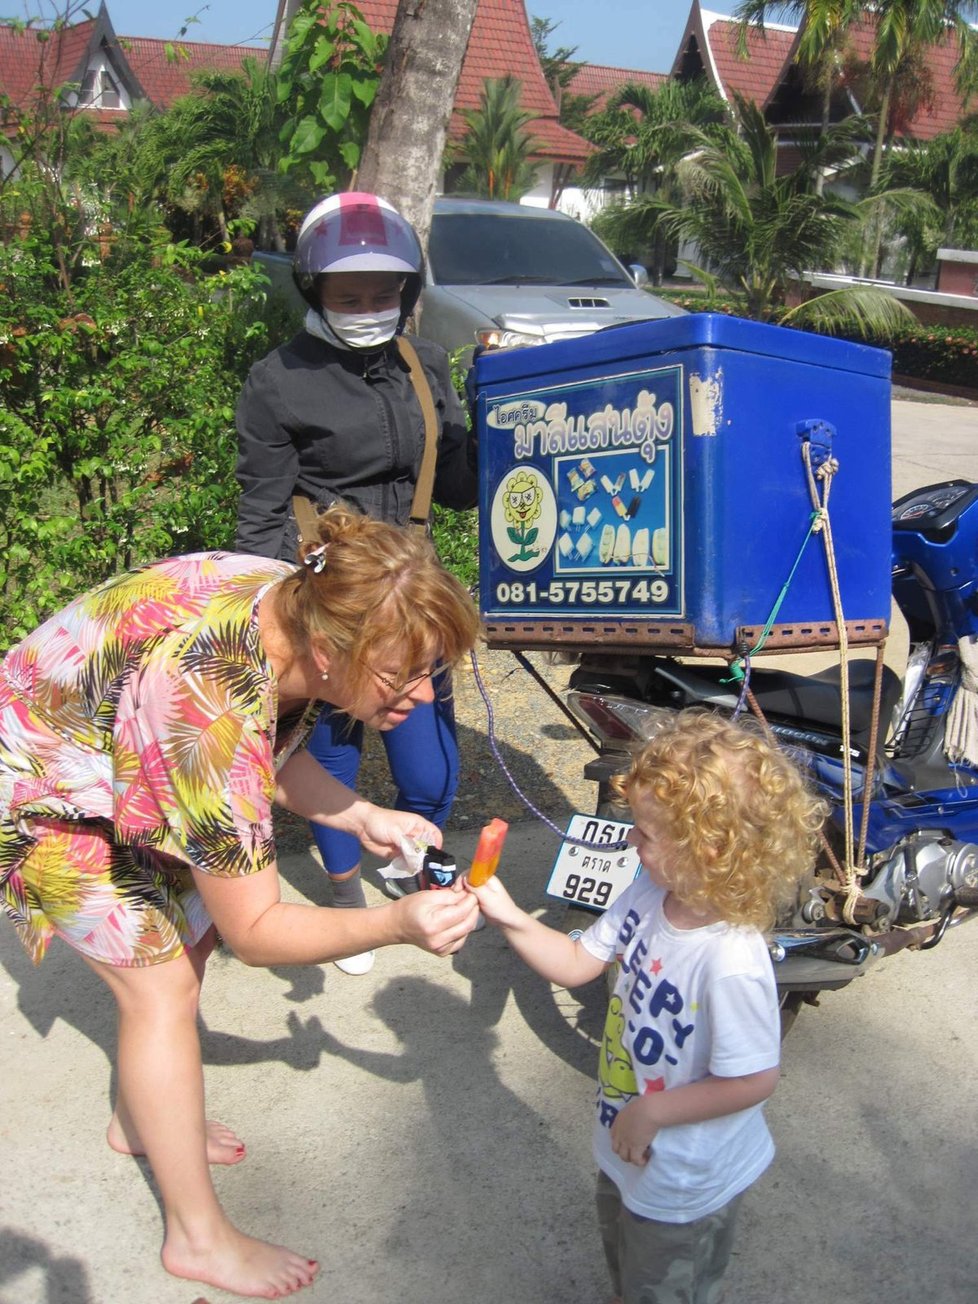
[724, 827]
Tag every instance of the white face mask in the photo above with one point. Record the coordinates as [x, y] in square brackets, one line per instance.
[363, 330]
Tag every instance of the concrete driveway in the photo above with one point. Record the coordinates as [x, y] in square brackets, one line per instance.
[424, 1130]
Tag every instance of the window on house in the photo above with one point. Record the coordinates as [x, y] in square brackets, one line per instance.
[89, 87]
[110, 91]
[98, 88]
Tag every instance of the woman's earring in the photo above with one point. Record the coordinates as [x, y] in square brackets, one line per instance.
[324, 676]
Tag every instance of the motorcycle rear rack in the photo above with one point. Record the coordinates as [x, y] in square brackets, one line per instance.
[627, 636]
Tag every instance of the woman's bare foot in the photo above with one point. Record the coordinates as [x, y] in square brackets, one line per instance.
[223, 1147]
[240, 1264]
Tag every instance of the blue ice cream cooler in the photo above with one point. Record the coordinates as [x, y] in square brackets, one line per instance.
[646, 486]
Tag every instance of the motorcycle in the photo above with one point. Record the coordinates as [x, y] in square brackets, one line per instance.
[905, 751]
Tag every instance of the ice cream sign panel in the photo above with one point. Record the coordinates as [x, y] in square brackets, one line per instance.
[582, 497]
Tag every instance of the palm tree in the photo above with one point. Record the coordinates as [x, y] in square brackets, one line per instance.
[643, 134]
[229, 121]
[559, 70]
[497, 146]
[186, 158]
[945, 172]
[760, 231]
[822, 41]
[903, 30]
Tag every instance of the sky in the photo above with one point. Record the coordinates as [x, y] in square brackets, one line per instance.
[638, 34]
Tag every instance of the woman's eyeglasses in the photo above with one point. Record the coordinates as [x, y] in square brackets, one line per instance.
[405, 685]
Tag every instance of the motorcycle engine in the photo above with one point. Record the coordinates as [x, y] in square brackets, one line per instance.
[917, 877]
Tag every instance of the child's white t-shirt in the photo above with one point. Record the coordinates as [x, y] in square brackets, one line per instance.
[687, 1003]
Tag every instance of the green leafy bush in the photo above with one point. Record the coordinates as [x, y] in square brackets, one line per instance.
[702, 301]
[456, 534]
[117, 399]
[456, 538]
[947, 354]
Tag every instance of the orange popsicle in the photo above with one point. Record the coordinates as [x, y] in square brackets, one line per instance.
[486, 859]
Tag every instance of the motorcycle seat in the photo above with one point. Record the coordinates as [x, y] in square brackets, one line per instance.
[807, 699]
[818, 697]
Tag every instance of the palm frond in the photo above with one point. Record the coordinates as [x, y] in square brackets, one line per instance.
[863, 309]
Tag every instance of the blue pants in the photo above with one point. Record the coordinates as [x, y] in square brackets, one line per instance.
[423, 756]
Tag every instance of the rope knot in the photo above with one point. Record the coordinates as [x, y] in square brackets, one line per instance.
[828, 468]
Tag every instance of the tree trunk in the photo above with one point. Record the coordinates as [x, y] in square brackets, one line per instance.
[559, 179]
[402, 158]
[826, 118]
[882, 129]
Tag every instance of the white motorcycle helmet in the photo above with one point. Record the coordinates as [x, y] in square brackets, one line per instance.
[357, 232]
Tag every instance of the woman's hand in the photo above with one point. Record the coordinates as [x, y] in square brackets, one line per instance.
[304, 787]
[438, 921]
[382, 830]
[632, 1132]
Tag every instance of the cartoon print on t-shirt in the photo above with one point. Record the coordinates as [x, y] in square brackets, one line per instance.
[647, 1026]
[615, 1071]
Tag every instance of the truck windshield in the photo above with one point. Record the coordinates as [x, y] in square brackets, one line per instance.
[491, 249]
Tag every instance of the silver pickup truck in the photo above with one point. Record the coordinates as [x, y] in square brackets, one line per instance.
[506, 275]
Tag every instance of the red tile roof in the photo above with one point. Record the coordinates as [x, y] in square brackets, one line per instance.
[500, 45]
[944, 107]
[600, 81]
[144, 66]
[771, 52]
[715, 37]
[758, 76]
[27, 62]
[165, 79]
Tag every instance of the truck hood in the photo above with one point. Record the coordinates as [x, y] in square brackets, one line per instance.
[554, 311]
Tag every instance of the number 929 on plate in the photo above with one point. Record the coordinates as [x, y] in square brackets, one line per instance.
[592, 866]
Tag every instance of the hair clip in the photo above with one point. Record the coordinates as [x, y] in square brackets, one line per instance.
[316, 559]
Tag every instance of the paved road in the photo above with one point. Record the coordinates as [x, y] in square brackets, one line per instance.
[424, 1130]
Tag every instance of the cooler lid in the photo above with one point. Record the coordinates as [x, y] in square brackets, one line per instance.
[645, 339]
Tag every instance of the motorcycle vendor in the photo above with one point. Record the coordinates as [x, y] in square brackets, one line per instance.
[335, 415]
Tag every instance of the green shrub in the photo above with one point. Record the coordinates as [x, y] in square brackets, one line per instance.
[117, 399]
[456, 537]
[699, 300]
[947, 354]
[456, 534]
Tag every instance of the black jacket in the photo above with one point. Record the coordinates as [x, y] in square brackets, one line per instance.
[331, 423]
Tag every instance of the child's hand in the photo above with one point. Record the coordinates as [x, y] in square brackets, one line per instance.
[632, 1132]
[495, 902]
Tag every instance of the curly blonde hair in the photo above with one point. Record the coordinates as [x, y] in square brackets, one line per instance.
[736, 812]
[379, 590]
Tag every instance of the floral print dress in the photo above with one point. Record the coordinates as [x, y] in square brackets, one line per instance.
[138, 739]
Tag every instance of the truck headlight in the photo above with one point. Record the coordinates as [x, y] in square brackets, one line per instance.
[499, 337]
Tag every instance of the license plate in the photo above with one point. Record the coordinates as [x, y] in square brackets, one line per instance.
[592, 876]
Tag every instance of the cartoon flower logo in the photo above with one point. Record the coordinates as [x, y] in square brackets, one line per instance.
[522, 505]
